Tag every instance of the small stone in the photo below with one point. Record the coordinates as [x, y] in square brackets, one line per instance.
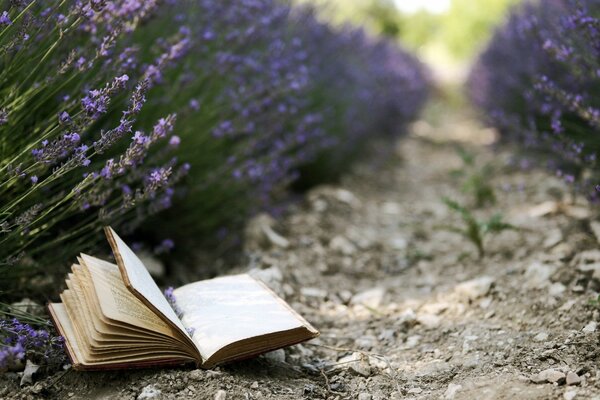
[573, 378]
[149, 392]
[556, 289]
[313, 293]
[259, 233]
[364, 396]
[391, 208]
[272, 277]
[277, 356]
[541, 337]
[370, 298]
[554, 237]
[358, 363]
[451, 391]
[595, 227]
[590, 327]
[254, 385]
[30, 370]
[342, 245]
[408, 317]
[570, 394]
[578, 289]
[416, 390]
[475, 288]
[398, 243]
[412, 341]
[28, 306]
[221, 395]
[196, 375]
[538, 275]
[549, 375]
[429, 321]
[345, 296]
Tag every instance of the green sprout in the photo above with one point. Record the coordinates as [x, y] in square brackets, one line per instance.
[476, 230]
[477, 179]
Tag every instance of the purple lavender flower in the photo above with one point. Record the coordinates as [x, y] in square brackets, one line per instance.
[4, 18]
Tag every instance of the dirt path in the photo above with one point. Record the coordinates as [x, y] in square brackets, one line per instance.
[405, 308]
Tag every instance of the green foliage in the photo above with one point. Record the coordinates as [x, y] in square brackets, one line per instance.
[474, 229]
[461, 31]
[469, 24]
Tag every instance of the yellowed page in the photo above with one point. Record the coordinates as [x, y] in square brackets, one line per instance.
[137, 277]
[225, 310]
[117, 302]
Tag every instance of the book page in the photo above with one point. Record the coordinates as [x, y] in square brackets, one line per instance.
[225, 310]
[116, 302]
[137, 278]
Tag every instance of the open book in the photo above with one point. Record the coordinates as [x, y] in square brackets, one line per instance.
[115, 316]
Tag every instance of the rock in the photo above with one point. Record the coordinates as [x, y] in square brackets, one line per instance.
[196, 375]
[370, 298]
[429, 321]
[451, 391]
[541, 337]
[28, 306]
[342, 245]
[549, 375]
[578, 289]
[333, 193]
[408, 317]
[149, 392]
[259, 233]
[416, 390]
[553, 237]
[30, 370]
[570, 394]
[357, 363]
[573, 378]
[391, 208]
[366, 342]
[277, 356]
[475, 288]
[221, 395]
[272, 277]
[398, 243]
[590, 327]
[152, 264]
[595, 228]
[556, 289]
[538, 275]
[412, 341]
[313, 293]
[254, 385]
[364, 396]
[345, 296]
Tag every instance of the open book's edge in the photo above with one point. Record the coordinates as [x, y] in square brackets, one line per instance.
[215, 359]
[121, 264]
[81, 366]
[300, 318]
[69, 350]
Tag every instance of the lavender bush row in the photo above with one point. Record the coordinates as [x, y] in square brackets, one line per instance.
[539, 83]
[111, 112]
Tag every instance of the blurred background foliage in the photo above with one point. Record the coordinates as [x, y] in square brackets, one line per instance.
[450, 32]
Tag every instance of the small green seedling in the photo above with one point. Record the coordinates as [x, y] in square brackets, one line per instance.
[476, 179]
[476, 230]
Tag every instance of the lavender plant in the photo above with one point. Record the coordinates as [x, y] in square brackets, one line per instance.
[111, 112]
[25, 336]
[539, 83]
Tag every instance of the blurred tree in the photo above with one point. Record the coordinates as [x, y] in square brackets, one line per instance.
[460, 32]
[468, 25]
